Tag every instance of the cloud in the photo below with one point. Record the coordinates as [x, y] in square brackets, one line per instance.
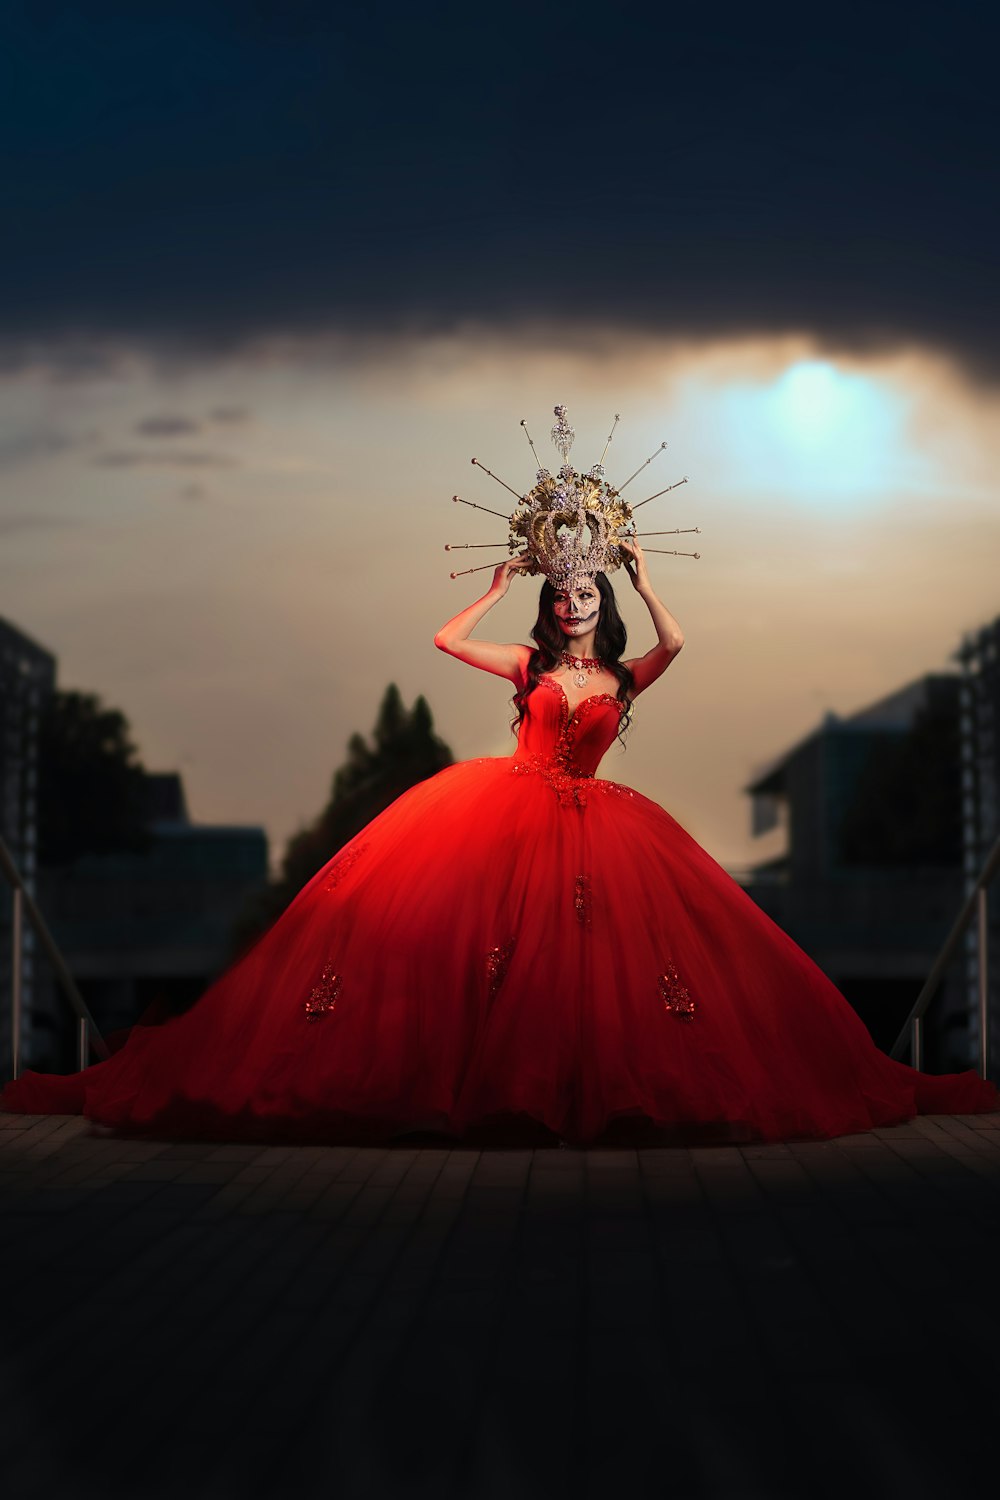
[167, 426]
[35, 442]
[135, 458]
[193, 492]
[16, 525]
[719, 174]
[229, 415]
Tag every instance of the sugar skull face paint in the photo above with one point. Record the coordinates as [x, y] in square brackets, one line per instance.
[577, 609]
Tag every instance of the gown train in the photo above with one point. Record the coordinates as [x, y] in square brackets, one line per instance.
[513, 943]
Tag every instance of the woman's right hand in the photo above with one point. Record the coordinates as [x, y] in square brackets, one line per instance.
[507, 569]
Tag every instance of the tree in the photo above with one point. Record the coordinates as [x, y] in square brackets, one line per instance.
[90, 791]
[404, 750]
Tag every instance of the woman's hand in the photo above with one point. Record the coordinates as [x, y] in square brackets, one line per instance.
[636, 569]
[506, 571]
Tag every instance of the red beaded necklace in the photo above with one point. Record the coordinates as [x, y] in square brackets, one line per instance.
[582, 665]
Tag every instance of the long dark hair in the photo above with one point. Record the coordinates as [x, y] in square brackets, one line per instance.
[610, 640]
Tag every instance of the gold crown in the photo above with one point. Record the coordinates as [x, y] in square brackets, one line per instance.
[570, 524]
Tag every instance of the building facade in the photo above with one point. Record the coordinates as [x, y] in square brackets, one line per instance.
[979, 659]
[871, 878]
[152, 926]
[27, 679]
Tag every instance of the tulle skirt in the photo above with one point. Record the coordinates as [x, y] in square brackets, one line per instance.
[501, 952]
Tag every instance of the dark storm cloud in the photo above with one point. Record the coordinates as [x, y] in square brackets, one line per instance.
[197, 176]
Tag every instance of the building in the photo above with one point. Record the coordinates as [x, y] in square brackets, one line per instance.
[871, 878]
[27, 678]
[154, 925]
[979, 659]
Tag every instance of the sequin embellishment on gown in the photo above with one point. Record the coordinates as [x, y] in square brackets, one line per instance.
[676, 999]
[323, 997]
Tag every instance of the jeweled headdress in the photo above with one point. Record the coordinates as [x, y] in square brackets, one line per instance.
[570, 523]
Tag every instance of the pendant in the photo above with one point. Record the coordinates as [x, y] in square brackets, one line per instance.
[580, 680]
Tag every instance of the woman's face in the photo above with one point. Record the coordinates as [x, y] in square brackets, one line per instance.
[577, 609]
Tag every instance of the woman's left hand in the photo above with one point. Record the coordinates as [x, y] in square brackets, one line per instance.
[636, 569]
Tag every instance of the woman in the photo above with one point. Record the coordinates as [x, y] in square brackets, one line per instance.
[518, 950]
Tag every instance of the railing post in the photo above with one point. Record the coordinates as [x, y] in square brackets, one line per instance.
[16, 980]
[917, 1042]
[24, 906]
[975, 903]
[82, 1043]
[983, 976]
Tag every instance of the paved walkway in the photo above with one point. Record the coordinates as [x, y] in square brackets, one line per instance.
[205, 1321]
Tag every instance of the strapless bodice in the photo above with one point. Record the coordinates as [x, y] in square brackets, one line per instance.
[573, 741]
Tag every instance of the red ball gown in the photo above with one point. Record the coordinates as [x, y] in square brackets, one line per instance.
[513, 944]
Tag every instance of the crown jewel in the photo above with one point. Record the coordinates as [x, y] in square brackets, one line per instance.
[569, 524]
[563, 435]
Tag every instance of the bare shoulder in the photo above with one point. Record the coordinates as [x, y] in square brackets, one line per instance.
[522, 655]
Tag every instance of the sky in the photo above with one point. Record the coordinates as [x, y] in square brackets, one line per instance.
[273, 274]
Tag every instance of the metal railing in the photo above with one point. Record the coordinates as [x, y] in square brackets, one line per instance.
[976, 904]
[88, 1037]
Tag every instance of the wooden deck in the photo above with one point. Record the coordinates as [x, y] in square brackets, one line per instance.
[755, 1322]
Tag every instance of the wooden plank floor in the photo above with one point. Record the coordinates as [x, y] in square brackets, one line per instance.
[756, 1322]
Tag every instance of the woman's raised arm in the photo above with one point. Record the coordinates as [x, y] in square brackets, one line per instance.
[509, 661]
[669, 635]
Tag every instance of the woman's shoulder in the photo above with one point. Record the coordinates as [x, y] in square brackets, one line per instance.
[522, 657]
